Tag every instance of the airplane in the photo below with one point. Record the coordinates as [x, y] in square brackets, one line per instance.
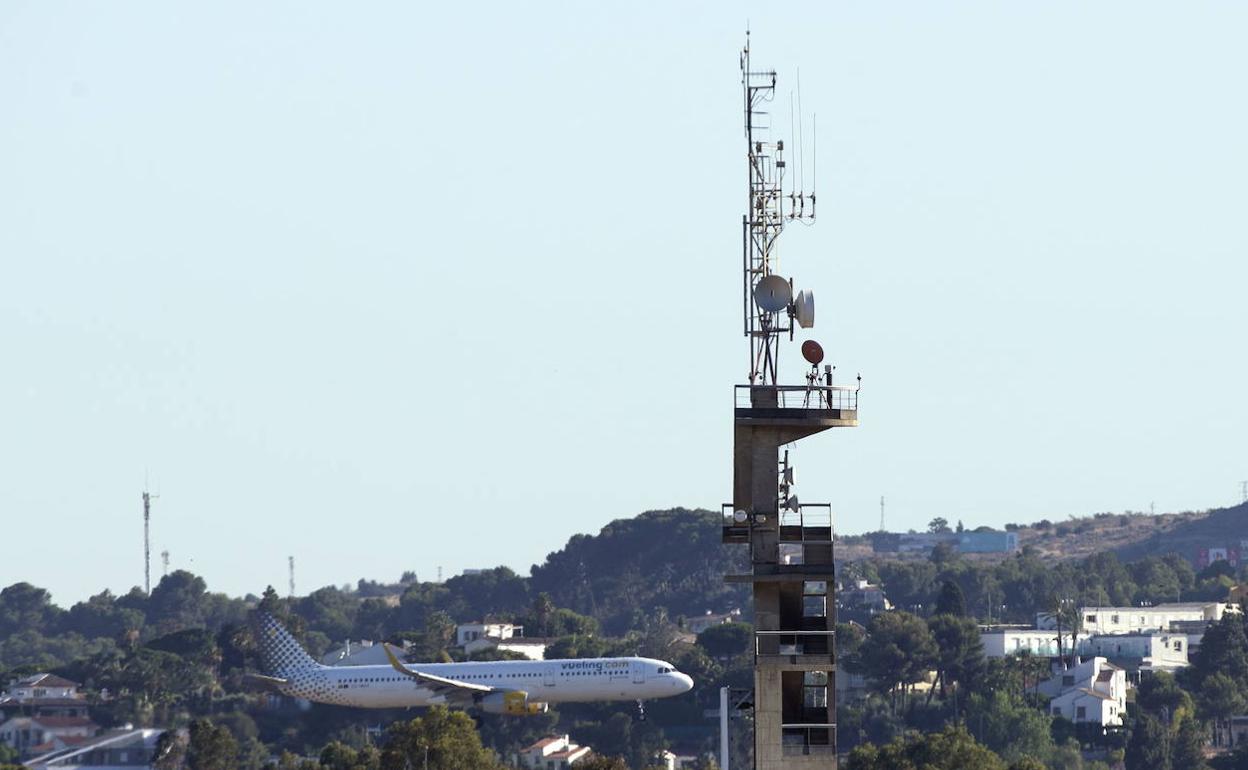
[514, 687]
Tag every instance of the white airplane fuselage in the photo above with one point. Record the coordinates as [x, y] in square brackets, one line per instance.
[547, 681]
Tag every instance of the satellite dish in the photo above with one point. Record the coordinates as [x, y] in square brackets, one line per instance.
[792, 504]
[813, 352]
[740, 516]
[804, 308]
[773, 293]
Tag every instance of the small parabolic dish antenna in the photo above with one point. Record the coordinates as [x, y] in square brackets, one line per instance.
[773, 294]
[813, 352]
[804, 308]
[740, 516]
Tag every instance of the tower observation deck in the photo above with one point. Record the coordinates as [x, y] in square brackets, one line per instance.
[791, 543]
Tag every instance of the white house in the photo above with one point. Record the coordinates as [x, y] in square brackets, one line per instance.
[529, 647]
[1084, 705]
[470, 632]
[1155, 651]
[1095, 678]
[1002, 641]
[553, 753]
[866, 595]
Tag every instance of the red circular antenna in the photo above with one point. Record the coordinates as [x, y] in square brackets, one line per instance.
[812, 351]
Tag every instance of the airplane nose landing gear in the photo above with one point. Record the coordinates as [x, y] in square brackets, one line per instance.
[641, 710]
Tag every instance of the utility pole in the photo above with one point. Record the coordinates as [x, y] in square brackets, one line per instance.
[882, 529]
[164, 562]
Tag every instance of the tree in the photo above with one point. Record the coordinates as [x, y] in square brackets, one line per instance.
[726, 640]
[950, 600]
[938, 525]
[951, 749]
[1027, 763]
[211, 747]
[960, 655]
[1005, 723]
[899, 651]
[599, 762]
[446, 740]
[1149, 747]
[1188, 750]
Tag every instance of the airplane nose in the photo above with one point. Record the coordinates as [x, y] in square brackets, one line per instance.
[685, 681]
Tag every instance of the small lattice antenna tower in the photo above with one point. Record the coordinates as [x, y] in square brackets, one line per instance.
[1243, 491]
[766, 298]
[291, 561]
[147, 541]
[882, 529]
[164, 562]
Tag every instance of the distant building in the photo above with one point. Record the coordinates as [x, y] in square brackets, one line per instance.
[1094, 691]
[43, 695]
[1143, 651]
[1001, 641]
[699, 623]
[991, 541]
[479, 629]
[361, 653]
[866, 596]
[41, 734]
[553, 753]
[1159, 617]
[479, 636]
[125, 749]
[43, 712]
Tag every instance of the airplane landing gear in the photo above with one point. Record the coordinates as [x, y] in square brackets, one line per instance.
[641, 710]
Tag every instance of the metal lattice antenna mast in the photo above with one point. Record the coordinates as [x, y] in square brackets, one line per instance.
[291, 561]
[763, 221]
[164, 562]
[882, 528]
[147, 543]
[1243, 491]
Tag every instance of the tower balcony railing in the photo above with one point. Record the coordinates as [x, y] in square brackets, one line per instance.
[793, 642]
[839, 397]
[804, 739]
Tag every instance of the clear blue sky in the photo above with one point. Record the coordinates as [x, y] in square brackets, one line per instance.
[402, 285]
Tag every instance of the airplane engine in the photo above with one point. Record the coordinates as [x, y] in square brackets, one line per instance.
[514, 703]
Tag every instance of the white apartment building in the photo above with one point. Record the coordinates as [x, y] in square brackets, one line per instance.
[1128, 620]
[999, 642]
[553, 753]
[1156, 651]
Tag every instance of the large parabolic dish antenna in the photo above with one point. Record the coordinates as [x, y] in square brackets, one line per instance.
[773, 293]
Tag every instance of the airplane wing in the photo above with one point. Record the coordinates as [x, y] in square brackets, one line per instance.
[262, 682]
[451, 689]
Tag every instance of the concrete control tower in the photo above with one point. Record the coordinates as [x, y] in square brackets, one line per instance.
[791, 542]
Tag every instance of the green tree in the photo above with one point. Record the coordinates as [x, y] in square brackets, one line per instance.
[444, 739]
[727, 640]
[1005, 723]
[1027, 763]
[950, 749]
[960, 654]
[599, 762]
[938, 525]
[1188, 748]
[1149, 747]
[950, 600]
[899, 651]
[211, 747]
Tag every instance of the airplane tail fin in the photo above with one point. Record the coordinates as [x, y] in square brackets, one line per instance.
[280, 654]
